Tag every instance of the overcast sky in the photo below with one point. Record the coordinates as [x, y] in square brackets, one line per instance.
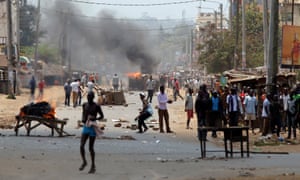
[172, 11]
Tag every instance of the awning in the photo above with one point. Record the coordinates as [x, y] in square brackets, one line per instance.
[24, 59]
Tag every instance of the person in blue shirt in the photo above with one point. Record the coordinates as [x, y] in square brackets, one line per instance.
[32, 86]
[250, 105]
[216, 109]
[145, 113]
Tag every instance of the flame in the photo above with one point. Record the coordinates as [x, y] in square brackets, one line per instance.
[49, 115]
[135, 75]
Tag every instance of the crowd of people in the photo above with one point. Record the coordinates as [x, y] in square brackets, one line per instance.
[265, 113]
[262, 112]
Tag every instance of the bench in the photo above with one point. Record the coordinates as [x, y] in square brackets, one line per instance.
[30, 122]
[231, 134]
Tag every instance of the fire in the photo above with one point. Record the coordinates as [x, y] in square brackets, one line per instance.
[136, 75]
[52, 113]
[42, 109]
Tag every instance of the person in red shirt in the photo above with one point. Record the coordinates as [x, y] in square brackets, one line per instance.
[176, 88]
[41, 86]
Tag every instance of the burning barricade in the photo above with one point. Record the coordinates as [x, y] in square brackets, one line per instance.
[41, 109]
[136, 81]
[33, 115]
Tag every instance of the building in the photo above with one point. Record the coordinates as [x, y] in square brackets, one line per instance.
[4, 64]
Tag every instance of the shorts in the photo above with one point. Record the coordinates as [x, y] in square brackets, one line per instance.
[89, 131]
[250, 117]
[189, 113]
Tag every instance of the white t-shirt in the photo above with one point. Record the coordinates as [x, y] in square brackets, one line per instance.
[150, 84]
[90, 86]
[75, 86]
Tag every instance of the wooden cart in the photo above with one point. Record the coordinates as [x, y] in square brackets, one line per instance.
[30, 122]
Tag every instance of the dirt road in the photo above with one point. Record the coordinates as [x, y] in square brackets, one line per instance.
[148, 156]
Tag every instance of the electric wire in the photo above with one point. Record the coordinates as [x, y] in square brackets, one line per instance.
[120, 4]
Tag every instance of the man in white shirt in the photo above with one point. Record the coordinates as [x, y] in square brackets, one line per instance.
[75, 89]
[234, 107]
[150, 83]
[284, 98]
[163, 113]
[90, 85]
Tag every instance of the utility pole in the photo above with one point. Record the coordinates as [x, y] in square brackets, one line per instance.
[9, 49]
[221, 18]
[230, 15]
[243, 36]
[191, 49]
[273, 48]
[293, 9]
[266, 32]
[37, 38]
[237, 19]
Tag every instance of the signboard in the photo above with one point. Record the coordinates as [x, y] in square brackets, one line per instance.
[290, 46]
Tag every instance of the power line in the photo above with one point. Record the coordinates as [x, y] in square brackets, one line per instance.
[107, 18]
[146, 30]
[119, 4]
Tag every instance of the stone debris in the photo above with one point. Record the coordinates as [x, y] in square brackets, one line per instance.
[117, 125]
[245, 174]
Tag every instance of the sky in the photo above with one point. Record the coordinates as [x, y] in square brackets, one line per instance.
[132, 9]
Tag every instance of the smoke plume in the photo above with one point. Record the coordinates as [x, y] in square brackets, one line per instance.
[102, 43]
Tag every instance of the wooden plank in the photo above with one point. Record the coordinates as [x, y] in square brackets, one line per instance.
[53, 124]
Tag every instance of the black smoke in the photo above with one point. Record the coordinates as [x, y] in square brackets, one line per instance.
[102, 41]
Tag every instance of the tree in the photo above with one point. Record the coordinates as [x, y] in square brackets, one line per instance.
[217, 49]
[28, 25]
[48, 54]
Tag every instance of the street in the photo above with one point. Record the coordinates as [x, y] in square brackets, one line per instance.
[151, 155]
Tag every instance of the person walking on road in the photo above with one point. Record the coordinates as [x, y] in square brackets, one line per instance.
[163, 110]
[32, 86]
[176, 89]
[41, 86]
[68, 90]
[189, 105]
[90, 130]
[150, 84]
[75, 89]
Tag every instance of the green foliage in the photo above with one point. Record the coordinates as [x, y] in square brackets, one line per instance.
[218, 47]
[28, 25]
[46, 52]
[27, 51]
